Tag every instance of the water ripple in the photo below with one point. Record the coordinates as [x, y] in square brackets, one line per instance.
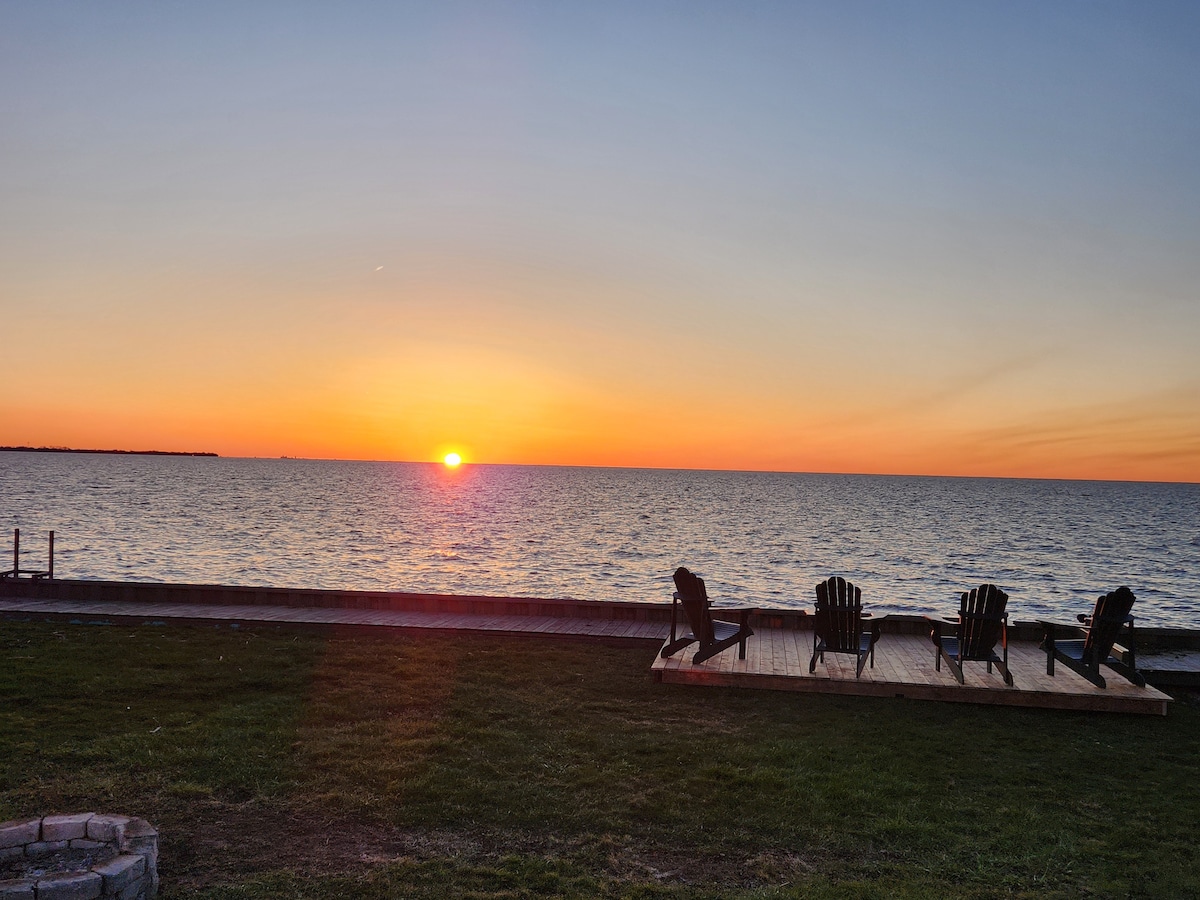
[758, 538]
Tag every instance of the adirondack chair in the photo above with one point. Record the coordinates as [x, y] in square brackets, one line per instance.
[838, 625]
[1101, 630]
[982, 622]
[713, 635]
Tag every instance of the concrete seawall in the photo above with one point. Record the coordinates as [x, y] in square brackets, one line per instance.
[466, 604]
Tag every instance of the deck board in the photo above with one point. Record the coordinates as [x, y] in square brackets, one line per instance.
[905, 667]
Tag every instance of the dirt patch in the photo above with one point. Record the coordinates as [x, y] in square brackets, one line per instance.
[251, 840]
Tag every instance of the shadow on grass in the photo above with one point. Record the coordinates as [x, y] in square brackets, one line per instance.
[285, 764]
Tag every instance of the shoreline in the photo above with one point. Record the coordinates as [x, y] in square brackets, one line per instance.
[1150, 638]
[783, 637]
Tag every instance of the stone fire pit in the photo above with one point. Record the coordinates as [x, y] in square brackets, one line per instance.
[78, 857]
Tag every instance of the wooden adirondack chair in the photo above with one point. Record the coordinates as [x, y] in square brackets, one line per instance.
[838, 624]
[713, 635]
[1101, 630]
[982, 623]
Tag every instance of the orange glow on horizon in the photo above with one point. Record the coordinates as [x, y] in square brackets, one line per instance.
[596, 430]
[540, 395]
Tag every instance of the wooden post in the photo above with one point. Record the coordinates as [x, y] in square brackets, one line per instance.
[16, 553]
[51, 576]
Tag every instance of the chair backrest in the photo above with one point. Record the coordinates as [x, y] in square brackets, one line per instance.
[694, 598]
[1109, 615]
[980, 620]
[838, 614]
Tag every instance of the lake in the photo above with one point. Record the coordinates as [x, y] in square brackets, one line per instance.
[609, 534]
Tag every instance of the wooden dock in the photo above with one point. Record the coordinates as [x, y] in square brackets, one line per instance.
[777, 659]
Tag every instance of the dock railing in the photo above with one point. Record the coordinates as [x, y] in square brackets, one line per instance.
[16, 571]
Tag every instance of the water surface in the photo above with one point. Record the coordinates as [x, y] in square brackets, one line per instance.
[611, 534]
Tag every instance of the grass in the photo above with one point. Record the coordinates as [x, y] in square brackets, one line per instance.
[292, 764]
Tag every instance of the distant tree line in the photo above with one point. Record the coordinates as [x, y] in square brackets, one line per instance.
[130, 452]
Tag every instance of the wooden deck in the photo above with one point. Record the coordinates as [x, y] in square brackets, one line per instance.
[904, 668]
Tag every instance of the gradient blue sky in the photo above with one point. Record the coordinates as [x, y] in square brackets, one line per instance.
[958, 238]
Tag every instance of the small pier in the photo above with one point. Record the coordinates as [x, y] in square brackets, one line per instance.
[777, 659]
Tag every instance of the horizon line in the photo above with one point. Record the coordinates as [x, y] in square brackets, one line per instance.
[467, 464]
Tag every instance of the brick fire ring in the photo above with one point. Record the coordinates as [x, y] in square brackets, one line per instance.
[85, 856]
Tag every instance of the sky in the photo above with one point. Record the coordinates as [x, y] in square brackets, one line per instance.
[948, 238]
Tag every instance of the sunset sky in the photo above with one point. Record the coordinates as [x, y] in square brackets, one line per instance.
[885, 237]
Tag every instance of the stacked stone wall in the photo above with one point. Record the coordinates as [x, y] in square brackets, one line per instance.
[85, 856]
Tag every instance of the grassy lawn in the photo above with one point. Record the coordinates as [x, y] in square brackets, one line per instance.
[278, 763]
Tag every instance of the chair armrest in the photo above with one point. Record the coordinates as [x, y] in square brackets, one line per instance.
[1123, 654]
[743, 613]
[1053, 631]
[937, 624]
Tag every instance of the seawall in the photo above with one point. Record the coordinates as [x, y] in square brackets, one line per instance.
[467, 604]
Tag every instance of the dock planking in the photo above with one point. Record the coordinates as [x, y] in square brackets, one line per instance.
[904, 668]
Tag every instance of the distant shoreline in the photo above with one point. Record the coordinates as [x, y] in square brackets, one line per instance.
[121, 452]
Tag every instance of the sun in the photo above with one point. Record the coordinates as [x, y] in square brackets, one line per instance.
[452, 460]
